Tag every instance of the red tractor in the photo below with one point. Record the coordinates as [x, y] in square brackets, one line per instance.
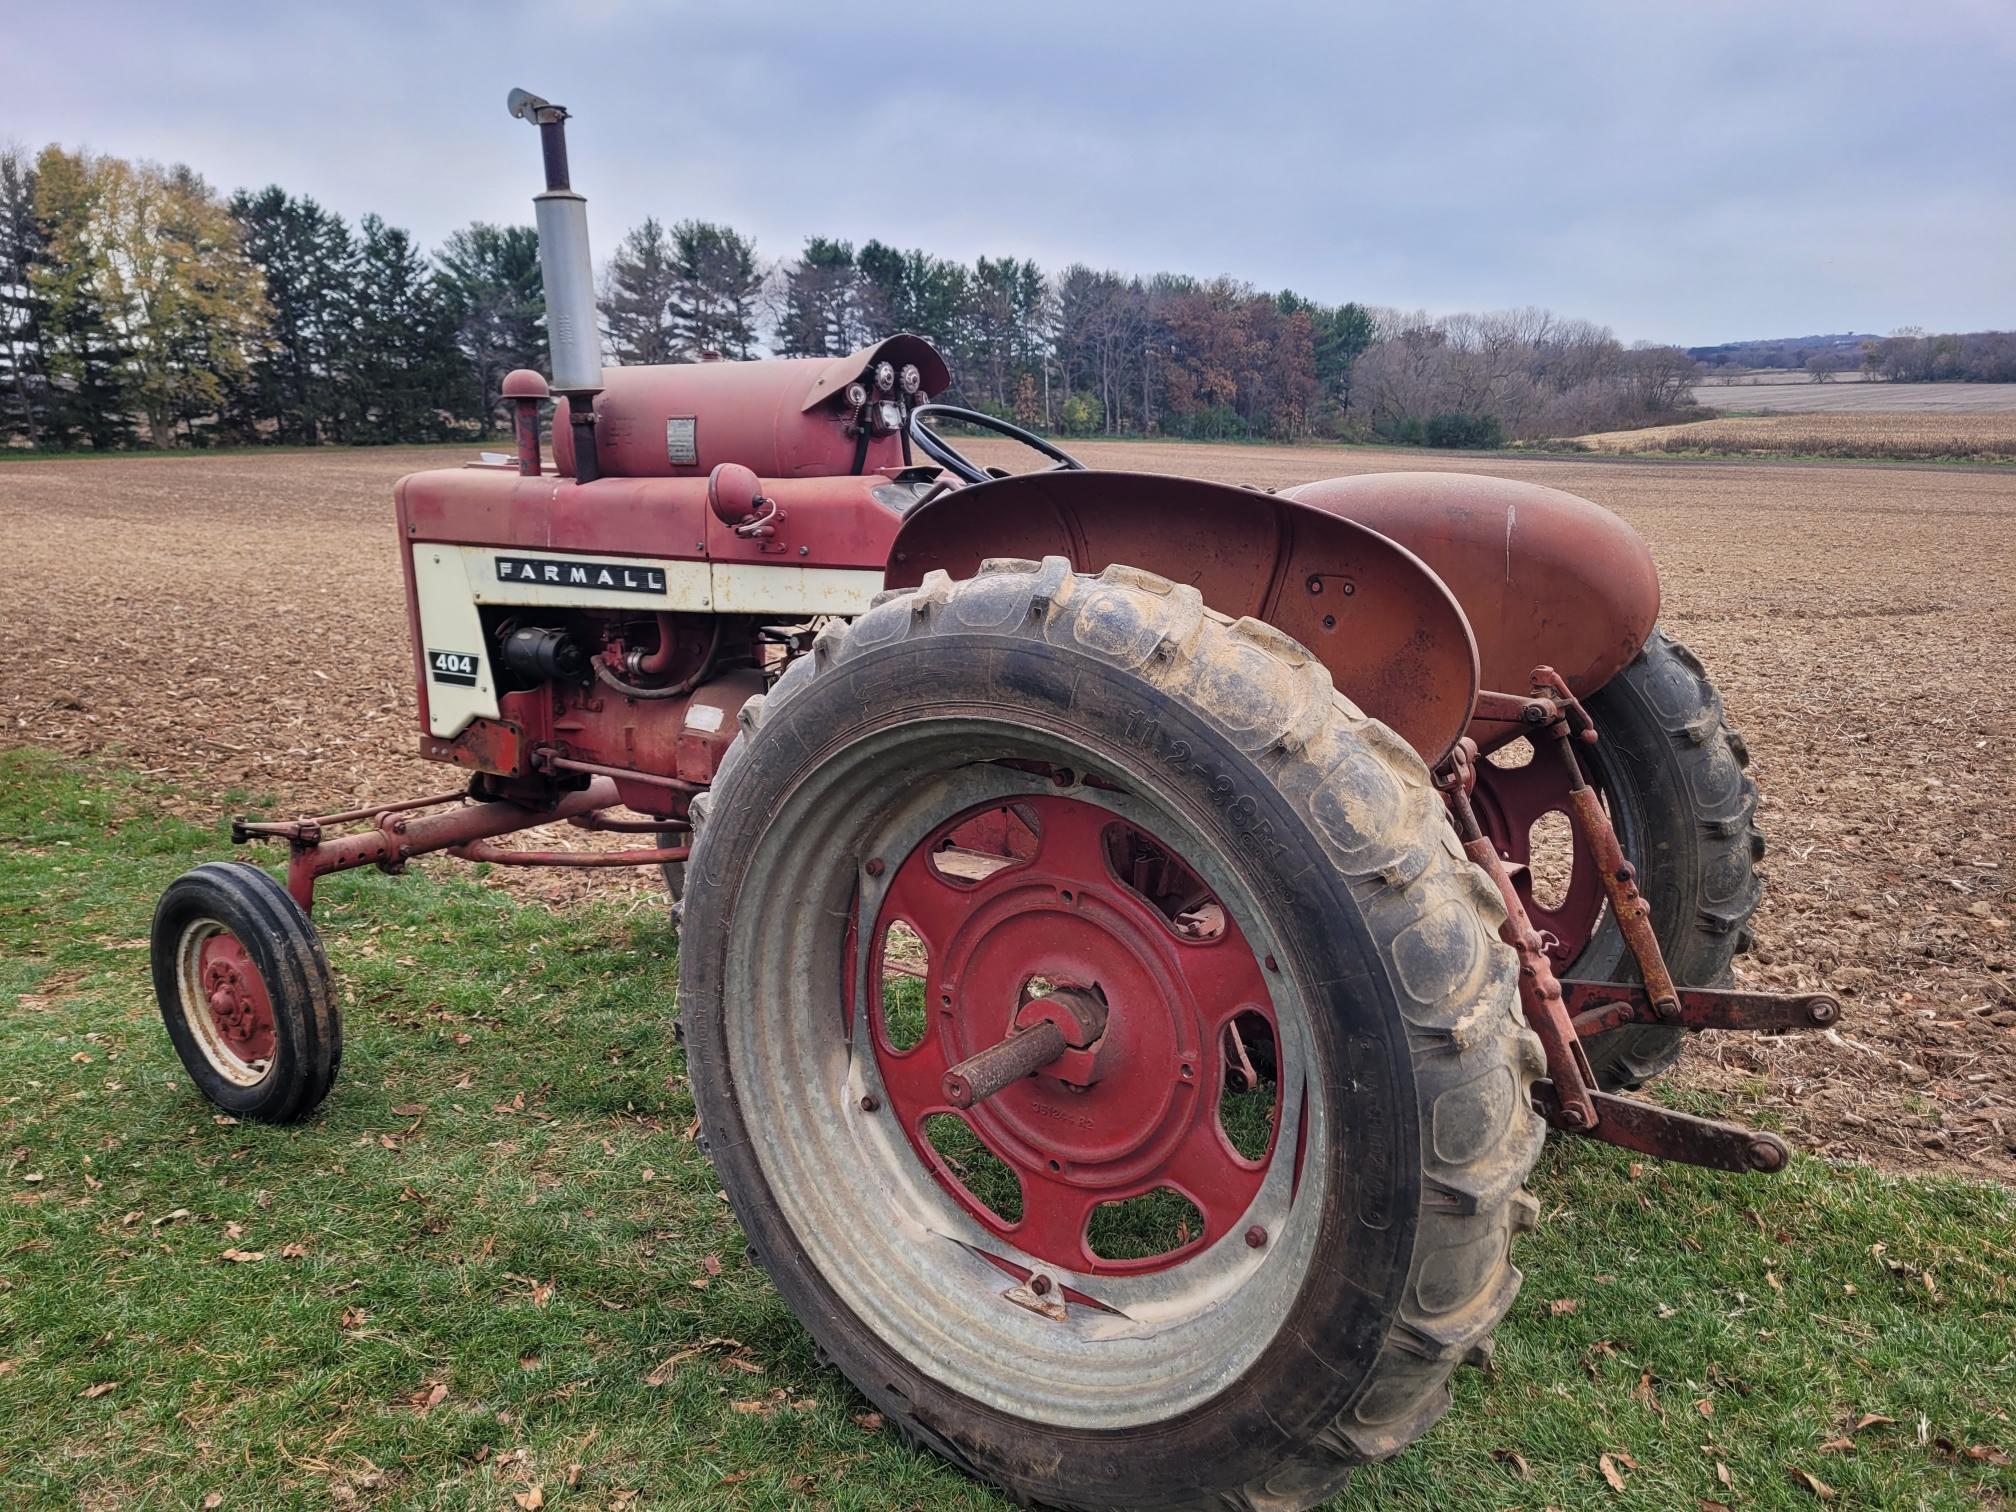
[1059, 856]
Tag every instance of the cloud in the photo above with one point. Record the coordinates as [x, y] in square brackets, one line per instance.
[1701, 173]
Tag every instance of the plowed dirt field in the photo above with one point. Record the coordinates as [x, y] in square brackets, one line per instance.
[236, 625]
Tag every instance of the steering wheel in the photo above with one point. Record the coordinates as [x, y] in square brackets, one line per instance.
[949, 457]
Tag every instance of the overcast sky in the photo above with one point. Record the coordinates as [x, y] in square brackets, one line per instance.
[1692, 172]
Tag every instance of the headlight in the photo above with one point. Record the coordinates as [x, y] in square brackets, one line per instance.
[912, 379]
[885, 377]
[857, 395]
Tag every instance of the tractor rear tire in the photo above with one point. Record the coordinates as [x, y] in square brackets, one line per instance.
[1253, 1370]
[246, 992]
[674, 875]
[1674, 774]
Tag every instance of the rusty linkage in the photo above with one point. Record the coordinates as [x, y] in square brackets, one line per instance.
[394, 833]
[1563, 1014]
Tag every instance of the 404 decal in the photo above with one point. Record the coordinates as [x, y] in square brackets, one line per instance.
[454, 667]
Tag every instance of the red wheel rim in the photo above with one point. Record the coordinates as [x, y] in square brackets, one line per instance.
[1010, 900]
[231, 996]
[1510, 801]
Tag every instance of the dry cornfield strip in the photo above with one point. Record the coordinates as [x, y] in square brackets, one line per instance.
[1899, 437]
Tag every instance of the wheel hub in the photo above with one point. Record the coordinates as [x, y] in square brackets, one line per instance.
[1014, 926]
[235, 996]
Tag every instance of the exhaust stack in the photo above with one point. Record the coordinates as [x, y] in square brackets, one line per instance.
[573, 331]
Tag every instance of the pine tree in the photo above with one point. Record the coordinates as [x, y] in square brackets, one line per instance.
[716, 280]
[24, 382]
[490, 278]
[912, 291]
[821, 315]
[403, 365]
[640, 284]
[308, 261]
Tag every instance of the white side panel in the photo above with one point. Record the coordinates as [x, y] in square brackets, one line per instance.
[449, 627]
[450, 581]
[741, 588]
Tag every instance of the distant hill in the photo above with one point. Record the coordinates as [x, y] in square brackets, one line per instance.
[1781, 351]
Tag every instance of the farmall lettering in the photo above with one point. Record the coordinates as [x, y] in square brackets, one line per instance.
[574, 573]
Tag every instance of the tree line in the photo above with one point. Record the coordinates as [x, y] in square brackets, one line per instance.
[1909, 354]
[139, 306]
[1912, 356]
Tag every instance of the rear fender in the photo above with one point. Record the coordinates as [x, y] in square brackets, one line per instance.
[1544, 577]
[1392, 635]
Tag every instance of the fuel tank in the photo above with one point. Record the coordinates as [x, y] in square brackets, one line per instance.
[781, 417]
[1543, 576]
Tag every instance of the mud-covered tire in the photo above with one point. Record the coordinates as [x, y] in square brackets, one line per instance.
[238, 906]
[1329, 844]
[1674, 775]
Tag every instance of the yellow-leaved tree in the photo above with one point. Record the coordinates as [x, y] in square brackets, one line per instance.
[160, 256]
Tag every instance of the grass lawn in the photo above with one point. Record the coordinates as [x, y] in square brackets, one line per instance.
[495, 1271]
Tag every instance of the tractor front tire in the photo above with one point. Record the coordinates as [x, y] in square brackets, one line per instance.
[246, 992]
[1207, 835]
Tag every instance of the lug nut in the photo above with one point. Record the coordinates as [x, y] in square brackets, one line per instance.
[875, 866]
[1040, 1284]
[1256, 1237]
[871, 1103]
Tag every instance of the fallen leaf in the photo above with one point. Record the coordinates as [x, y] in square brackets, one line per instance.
[698, 1283]
[870, 1422]
[1608, 1465]
[213, 1501]
[1771, 1280]
[352, 1319]
[408, 1110]
[749, 1405]
[234, 1231]
[1706, 1505]
[1516, 1460]
[1562, 1306]
[711, 1264]
[1870, 1420]
[429, 1396]
[8, 1365]
[175, 1217]
[1722, 1474]
[668, 1367]
[1704, 1406]
[1988, 1454]
[295, 1251]
[1813, 1483]
[465, 1083]
[91, 1392]
[531, 1500]
[542, 1293]
[528, 1362]
[1643, 1391]
[224, 1119]
[241, 1257]
[1836, 1445]
[388, 1142]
